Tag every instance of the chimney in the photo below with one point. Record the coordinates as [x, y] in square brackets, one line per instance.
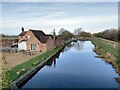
[22, 29]
[54, 34]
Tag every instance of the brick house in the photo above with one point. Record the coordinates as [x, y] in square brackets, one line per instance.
[36, 40]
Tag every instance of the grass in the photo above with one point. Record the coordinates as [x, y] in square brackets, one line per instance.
[29, 64]
[5, 78]
[105, 46]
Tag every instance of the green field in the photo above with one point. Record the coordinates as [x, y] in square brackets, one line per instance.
[105, 46]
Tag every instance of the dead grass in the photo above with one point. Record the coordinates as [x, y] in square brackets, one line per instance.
[14, 59]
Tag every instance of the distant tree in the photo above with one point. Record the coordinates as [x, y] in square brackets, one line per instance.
[119, 34]
[77, 31]
[85, 34]
[61, 31]
[110, 34]
[66, 35]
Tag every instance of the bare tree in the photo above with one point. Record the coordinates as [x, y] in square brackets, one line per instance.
[77, 31]
[110, 34]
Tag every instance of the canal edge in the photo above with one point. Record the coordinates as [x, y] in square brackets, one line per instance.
[18, 83]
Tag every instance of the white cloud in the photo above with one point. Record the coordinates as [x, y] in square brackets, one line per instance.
[56, 14]
[95, 23]
[47, 16]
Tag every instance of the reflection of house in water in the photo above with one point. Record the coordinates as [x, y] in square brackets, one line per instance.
[53, 61]
[77, 45]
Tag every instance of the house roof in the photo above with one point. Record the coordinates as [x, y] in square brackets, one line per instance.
[22, 33]
[37, 33]
[50, 35]
[40, 35]
[44, 39]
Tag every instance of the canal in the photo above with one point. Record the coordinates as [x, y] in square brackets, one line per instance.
[75, 67]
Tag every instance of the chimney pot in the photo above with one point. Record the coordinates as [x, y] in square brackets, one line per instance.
[22, 29]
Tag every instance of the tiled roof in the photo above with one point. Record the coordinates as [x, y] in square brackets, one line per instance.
[40, 35]
[37, 33]
[44, 39]
[50, 35]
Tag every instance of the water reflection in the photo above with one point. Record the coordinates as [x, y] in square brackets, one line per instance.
[79, 45]
[74, 69]
[53, 61]
[118, 82]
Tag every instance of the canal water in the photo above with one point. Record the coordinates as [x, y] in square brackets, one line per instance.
[75, 67]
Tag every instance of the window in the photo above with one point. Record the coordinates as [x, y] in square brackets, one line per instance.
[33, 46]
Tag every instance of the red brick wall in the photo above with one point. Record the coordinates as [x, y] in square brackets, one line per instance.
[44, 47]
[50, 44]
[39, 46]
[58, 41]
[33, 40]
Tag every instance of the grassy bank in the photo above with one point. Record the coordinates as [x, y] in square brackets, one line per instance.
[19, 70]
[109, 53]
[105, 46]
[16, 72]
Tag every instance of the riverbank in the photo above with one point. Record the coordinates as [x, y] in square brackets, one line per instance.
[107, 52]
[16, 72]
[76, 67]
[30, 73]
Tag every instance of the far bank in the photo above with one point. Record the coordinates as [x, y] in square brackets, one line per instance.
[108, 52]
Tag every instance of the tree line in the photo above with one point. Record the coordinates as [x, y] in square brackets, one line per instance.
[110, 34]
[77, 33]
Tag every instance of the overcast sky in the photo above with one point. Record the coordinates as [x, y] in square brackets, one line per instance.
[46, 16]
